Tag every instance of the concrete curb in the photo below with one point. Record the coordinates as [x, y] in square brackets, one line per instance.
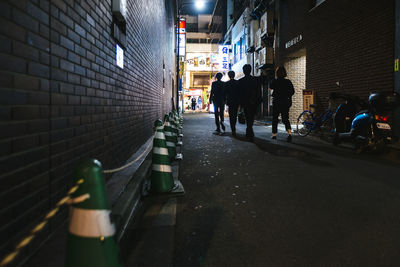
[126, 207]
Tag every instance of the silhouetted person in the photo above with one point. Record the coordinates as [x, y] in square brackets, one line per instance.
[200, 102]
[193, 103]
[282, 101]
[232, 99]
[251, 97]
[217, 97]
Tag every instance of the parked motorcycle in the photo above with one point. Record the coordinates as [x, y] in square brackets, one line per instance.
[346, 111]
[371, 129]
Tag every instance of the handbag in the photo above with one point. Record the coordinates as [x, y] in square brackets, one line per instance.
[241, 117]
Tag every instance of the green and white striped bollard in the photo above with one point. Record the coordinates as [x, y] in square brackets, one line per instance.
[161, 174]
[170, 139]
[175, 129]
[90, 240]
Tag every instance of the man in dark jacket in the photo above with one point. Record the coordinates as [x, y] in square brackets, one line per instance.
[232, 99]
[217, 97]
[251, 97]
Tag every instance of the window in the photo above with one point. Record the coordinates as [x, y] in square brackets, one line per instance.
[239, 50]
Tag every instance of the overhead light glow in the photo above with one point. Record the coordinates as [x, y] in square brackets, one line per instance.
[199, 4]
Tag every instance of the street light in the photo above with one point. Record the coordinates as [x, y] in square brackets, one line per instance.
[200, 4]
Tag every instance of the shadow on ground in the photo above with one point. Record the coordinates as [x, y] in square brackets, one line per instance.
[198, 238]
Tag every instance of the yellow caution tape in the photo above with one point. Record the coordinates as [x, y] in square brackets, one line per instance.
[10, 257]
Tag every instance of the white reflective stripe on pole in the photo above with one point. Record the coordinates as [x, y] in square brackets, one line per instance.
[91, 223]
[159, 135]
[160, 151]
[170, 144]
[162, 168]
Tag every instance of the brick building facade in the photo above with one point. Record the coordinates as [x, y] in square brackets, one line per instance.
[296, 73]
[62, 98]
[346, 42]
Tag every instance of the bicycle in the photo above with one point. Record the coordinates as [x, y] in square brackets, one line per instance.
[308, 121]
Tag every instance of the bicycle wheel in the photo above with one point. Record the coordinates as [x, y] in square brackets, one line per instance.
[304, 123]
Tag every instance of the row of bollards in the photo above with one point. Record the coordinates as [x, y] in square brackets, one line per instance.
[164, 152]
[91, 233]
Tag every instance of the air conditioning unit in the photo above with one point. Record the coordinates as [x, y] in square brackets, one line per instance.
[253, 33]
[266, 56]
[256, 56]
[257, 40]
[267, 23]
[257, 71]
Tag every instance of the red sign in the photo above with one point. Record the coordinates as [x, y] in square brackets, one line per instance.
[195, 92]
[181, 26]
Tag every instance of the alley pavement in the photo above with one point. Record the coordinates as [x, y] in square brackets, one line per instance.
[273, 203]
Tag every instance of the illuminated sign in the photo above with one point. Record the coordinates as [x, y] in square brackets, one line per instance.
[294, 41]
[182, 26]
[120, 57]
[223, 53]
[181, 37]
[199, 61]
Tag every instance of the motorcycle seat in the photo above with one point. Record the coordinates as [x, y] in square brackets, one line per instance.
[362, 111]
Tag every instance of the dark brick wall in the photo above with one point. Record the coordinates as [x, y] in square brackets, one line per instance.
[355, 46]
[62, 98]
[347, 41]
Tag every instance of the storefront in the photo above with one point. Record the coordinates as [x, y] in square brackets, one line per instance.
[200, 69]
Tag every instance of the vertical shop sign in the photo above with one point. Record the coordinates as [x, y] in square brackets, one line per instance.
[223, 53]
[181, 37]
[308, 99]
[396, 65]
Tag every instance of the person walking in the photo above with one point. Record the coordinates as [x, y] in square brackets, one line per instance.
[193, 103]
[282, 93]
[250, 87]
[217, 97]
[232, 99]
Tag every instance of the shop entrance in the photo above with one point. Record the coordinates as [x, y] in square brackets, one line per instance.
[198, 92]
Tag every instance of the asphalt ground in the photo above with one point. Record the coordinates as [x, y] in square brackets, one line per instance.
[271, 203]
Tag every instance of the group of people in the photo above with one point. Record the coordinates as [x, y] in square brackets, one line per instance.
[245, 94]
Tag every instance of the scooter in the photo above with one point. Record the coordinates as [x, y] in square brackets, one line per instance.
[346, 111]
[371, 129]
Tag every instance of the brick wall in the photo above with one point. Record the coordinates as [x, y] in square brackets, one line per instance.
[296, 69]
[350, 42]
[62, 98]
[354, 47]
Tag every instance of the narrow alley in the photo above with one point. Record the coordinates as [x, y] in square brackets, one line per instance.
[112, 154]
